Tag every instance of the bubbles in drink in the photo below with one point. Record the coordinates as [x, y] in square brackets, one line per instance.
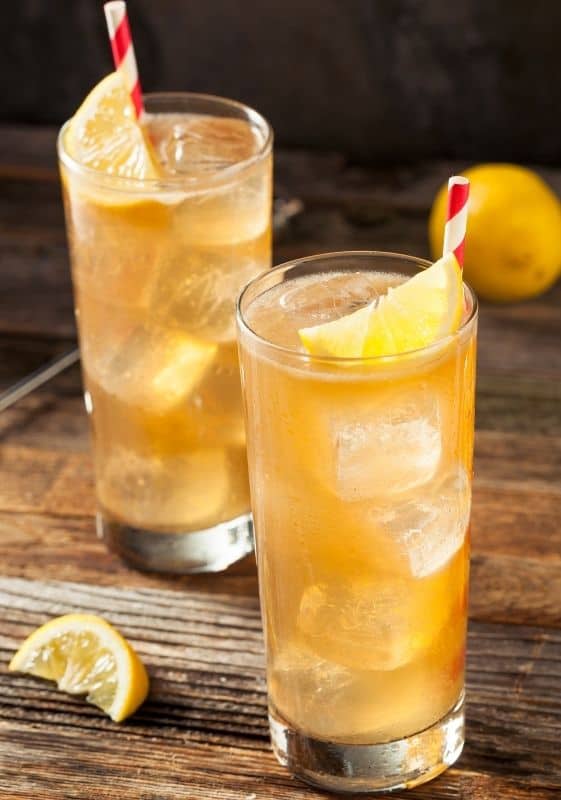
[216, 402]
[116, 248]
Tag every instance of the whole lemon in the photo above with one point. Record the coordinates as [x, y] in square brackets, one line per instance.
[513, 240]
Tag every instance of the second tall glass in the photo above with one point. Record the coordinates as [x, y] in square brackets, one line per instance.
[156, 268]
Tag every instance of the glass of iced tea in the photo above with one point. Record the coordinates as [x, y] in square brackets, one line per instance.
[360, 472]
[157, 263]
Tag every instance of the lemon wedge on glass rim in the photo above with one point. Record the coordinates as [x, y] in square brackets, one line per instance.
[412, 315]
[105, 135]
[85, 655]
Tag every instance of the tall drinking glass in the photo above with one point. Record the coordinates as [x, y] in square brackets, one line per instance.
[360, 473]
[156, 268]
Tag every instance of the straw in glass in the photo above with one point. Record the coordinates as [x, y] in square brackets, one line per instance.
[123, 50]
[456, 217]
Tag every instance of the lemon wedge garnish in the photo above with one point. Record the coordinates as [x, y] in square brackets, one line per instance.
[412, 315]
[105, 135]
[84, 654]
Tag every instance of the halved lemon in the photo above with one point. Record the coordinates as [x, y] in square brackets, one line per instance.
[105, 135]
[419, 311]
[84, 654]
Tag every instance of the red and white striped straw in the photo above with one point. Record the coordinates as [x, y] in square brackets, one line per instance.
[456, 217]
[123, 50]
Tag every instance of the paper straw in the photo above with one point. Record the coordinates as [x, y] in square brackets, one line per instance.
[123, 50]
[456, 217]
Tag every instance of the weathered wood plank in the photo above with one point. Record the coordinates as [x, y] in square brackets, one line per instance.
[514, 512]
[505, 588]
[207, 704]
[49, 481]
[516, 521]
[35, 764]
[537, 458]
[516, 403]
[47, 419]
[522, 338]
[509, 402]
[70, 550]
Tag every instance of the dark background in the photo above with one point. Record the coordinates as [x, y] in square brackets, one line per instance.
[380, 80]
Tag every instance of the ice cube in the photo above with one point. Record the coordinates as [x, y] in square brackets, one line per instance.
[154, 368]
[386, 448]
[201, 296]
[306, 687]
[198, 144]
[378, 624]
[353, 705]
[430, 527]
[331, 297]
[298, 665]
[182, 491]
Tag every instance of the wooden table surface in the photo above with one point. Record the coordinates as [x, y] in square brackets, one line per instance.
[203, 732]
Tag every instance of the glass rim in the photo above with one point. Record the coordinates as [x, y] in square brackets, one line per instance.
[131, 185]
[303, 357]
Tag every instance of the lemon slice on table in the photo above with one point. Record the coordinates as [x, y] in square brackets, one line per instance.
[410, 316]
[105, 135]
[84, 654]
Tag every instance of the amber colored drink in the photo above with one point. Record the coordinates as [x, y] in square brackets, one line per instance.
[156, 269]
[360, 479]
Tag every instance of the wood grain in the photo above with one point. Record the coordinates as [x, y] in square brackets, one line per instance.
[207, 707]
[503, 587]
[183, 770]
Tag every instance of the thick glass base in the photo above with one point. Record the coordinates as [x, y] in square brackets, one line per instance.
[399, 764]
[210, 550]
